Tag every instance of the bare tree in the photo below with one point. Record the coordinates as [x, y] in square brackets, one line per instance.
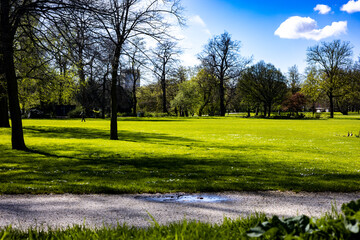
[294, 79]
[164, 62]
[126, 19]
[331, 57]
[137, 59]
[221, 56]
[75, 30]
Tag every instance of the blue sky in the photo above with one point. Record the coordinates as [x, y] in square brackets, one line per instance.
[297, 24]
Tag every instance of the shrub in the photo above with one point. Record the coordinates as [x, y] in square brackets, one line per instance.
[155, 114]
[76, 113]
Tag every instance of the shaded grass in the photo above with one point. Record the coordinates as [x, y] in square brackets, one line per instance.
[230, 229]
[189, 155]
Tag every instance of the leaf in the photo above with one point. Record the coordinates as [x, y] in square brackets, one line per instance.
[354, 228]
[351, 208]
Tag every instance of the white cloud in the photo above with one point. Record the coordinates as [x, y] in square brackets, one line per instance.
[197, 20]
[189, 60]
[207, 31]
[322, 9]
[351, 7]
[305, 27]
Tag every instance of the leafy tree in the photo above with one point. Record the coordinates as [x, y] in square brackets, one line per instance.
[206, 86]
[221, 56]
[12, 15]
[349, 92]
[149, 98]
[178, 76]
[187, 98]
[264, 84]
[332, 58]
[311, 87]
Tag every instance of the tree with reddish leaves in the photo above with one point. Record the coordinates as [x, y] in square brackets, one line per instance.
[295, 103]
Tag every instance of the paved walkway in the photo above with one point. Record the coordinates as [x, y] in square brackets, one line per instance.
[95, 210]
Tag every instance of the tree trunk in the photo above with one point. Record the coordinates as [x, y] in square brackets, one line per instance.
[17, 136]
[222, 98]
[134, 97]
[81, 74]
[269, 108]
[331, 99]
[313, 109]
[114, 106]
[7, 51]
[103, 97]
[201, 110]
[163, 88]
[4, 109]
[265, 109]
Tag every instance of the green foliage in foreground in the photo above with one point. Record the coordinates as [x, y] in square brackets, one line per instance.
[183, 155]
[330, 226]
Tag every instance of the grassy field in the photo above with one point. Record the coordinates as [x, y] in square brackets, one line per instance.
[183, 154]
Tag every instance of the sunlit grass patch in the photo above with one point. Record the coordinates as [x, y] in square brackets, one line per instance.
[183, 154]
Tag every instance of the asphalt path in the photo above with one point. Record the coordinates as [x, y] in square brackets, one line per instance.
[59, 211]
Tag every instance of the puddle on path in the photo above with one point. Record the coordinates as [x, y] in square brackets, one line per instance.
[185, 198]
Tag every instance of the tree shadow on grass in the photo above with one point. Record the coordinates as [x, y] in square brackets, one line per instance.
[114, 174]
[87, 133]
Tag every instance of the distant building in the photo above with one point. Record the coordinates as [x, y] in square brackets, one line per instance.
[127, 80]
[321, 108]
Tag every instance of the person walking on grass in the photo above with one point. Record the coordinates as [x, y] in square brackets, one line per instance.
[82, 114]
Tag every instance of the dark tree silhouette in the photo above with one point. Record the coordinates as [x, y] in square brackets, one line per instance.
[13, 13]
[221, 57]
[265, 84]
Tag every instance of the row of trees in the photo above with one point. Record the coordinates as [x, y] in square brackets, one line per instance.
[83, 52]
[225, 81]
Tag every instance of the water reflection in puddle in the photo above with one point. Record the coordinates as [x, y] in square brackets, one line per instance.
[185, 198]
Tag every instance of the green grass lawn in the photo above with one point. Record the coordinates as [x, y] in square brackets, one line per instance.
[183, 154]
